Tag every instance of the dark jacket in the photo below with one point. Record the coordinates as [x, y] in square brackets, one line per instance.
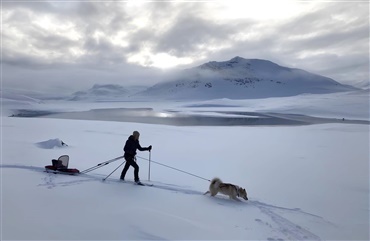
[132, 145]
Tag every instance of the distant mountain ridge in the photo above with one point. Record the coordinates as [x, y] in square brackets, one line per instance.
[237, 78]
[363, 84]
[101, 92]
[241, 78]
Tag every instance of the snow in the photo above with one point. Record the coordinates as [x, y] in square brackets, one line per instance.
[8, 95]
[362, 84]
[305, 182]
[51, 144]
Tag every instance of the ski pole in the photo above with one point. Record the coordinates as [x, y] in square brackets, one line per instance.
[150, 153]
[101, 164]
[113, 171]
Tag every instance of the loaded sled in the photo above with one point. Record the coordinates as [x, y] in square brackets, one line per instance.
[61, 166]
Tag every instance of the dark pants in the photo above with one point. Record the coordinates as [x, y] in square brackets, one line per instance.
[130, 162]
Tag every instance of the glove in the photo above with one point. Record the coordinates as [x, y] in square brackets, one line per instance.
[150, 148]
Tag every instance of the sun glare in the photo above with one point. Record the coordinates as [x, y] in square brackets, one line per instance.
[163, 61]
[159, 60]
[44, 22]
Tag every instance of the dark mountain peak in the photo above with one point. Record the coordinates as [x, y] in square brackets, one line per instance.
[107, 86]
[239, 62]
[237, 59]
[263, 62]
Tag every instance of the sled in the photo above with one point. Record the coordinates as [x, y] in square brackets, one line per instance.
[61, 166]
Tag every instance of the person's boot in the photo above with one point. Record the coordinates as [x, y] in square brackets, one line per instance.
[138, 182]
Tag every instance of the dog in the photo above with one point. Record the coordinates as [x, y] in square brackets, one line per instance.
[233, 191]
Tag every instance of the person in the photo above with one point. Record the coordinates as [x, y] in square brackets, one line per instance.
[132, 144]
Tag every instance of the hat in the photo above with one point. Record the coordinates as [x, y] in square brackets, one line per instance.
[136, 134]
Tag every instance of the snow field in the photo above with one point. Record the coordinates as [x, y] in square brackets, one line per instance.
[305, 182]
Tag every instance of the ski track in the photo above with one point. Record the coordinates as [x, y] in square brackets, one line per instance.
[289, 229]
[257, 203]
[50, 182]
[168, 187]
[31, 168]
[280, 224]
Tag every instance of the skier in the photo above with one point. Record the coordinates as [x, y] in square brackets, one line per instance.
[132, 144]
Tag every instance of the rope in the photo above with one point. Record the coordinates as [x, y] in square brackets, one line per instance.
[191, 174]
[101, 165]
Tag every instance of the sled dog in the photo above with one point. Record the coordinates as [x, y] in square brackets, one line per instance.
[233, 191]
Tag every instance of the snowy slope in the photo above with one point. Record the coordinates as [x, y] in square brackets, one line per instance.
[241, 78]
[12, 99]
[362, 84]
[8, 96]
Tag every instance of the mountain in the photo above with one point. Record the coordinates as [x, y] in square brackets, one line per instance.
[102, 92]
[241, 78]
[8, 95]
[363, 84]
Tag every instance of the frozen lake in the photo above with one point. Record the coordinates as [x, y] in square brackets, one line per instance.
[187, 118]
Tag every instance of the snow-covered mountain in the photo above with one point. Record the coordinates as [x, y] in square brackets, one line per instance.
[107, 92]
[101, 92]
[241, 78]
[16, 96]
[363, 84]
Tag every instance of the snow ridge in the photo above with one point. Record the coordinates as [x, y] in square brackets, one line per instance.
[51, 144]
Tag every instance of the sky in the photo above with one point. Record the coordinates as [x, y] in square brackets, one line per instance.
[71, 45]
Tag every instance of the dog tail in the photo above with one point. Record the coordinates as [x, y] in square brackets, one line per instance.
[215, 182]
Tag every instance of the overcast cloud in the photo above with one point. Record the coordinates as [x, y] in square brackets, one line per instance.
[73, 45]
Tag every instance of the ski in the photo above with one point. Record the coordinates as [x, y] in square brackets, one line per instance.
[144, 184]
[139, 183]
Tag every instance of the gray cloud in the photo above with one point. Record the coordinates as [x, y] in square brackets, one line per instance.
[188, 33]
[317, 42]
[90, 42]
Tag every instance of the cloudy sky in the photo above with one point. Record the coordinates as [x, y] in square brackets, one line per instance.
[71, 45]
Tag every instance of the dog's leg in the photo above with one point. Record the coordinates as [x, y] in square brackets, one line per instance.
[233, 197]
[206, 192]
